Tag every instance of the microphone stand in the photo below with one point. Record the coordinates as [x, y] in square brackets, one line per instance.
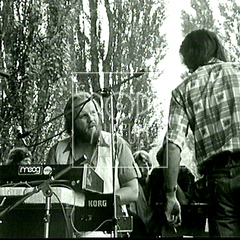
[104, 93]
[45, 185]
[109, 93]
[47, 192]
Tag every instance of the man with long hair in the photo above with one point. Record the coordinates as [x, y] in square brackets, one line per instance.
[208, 103]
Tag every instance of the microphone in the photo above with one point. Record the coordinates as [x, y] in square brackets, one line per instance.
[135, 75]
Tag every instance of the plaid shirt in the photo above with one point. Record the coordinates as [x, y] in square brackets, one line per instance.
[207, 102]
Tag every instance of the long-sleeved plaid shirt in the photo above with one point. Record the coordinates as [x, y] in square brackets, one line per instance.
[208, 102]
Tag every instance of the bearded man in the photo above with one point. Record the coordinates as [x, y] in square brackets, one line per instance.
[86, 137]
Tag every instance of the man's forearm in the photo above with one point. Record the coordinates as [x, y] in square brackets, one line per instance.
[128, 192]
[172, 159]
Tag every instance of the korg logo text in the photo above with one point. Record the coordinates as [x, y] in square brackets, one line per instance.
[97, 203]
[30, 170]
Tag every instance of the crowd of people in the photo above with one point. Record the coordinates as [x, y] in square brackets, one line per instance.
[167, 201]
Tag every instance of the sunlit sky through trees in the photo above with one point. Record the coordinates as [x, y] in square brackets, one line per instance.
[171, 65]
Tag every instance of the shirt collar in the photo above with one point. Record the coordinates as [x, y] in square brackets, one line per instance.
[101, 142]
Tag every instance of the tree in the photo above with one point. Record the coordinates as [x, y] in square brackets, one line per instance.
[33, 54]
[230, 26]
[52, 48]
[134, 38]
[203, 17]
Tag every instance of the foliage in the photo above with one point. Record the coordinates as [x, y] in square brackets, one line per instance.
[224, 21]
[136, 38]
[53, 48]
[33, 53]
[230, 11]
[202, 18]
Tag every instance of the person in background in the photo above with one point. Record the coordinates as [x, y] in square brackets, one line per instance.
[207, 102]
[144, 163]
[86, 137]
[140, 209]
[19, 156]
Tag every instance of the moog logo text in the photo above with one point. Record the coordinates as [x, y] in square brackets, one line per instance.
[30, 170]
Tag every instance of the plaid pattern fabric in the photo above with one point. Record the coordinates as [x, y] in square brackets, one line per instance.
[208, 102]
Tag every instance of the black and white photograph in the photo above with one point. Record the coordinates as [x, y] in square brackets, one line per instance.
[119, 119]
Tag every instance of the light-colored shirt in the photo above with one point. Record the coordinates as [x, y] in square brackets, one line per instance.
[208, 102]
[61, 153]
[101, 160]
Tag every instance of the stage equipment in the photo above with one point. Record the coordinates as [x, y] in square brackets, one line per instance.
[97, 214]
[105, 92]
[71, 212]
[26, 219]
[109, 93]
[45, 188]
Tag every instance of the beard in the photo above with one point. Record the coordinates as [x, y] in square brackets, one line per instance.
[85, 136]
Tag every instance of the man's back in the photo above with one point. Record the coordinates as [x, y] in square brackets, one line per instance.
[210, 99]
[208, 103]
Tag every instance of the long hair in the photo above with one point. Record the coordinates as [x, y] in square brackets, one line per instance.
[75, 100]
[199, 47]
[17, 154]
